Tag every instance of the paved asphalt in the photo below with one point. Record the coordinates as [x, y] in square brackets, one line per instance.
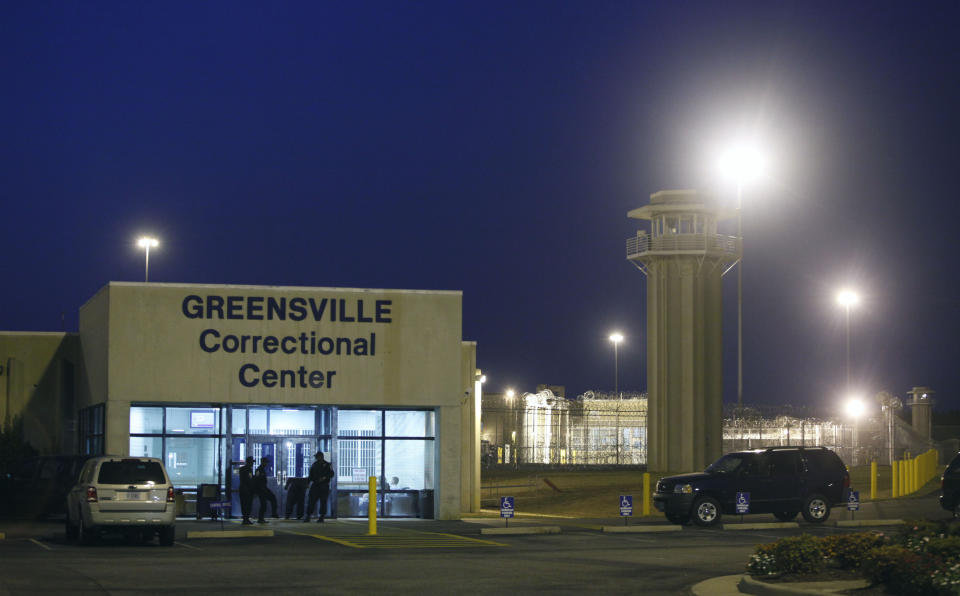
[405, 557]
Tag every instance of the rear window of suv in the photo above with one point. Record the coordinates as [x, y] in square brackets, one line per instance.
[131, 472]
[823, 459]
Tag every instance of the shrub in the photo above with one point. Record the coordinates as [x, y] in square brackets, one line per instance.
[798, 554]
[849, 550]
[762, 561]
[901, 570]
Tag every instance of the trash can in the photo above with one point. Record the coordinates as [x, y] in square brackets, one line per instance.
[425, 504]
[206, 494]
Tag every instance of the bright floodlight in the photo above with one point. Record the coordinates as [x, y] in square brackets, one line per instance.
[510, 393]
[847, 298]
[743, 163]
[855, 407]
[146, 243]
[616, 337]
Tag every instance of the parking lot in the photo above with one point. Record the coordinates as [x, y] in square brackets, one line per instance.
[405, 556]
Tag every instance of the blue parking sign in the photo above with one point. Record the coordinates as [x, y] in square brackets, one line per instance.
[743, 503]
[506, 506]
[626, 505]
[853, 500]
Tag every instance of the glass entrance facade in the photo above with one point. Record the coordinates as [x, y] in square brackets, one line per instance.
[207, 444]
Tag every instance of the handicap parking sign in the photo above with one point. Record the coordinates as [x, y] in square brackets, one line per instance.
[743, 503]
[506, 506]
[626, 505]
[853, 500]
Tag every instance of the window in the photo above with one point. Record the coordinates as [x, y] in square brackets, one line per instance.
[91, 430]
[186, 438]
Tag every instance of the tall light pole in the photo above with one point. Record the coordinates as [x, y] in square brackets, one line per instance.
[846, 299]
[616, 337]
[743, 163]
[146, 243]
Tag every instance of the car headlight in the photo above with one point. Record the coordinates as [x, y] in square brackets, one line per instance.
[685, 489]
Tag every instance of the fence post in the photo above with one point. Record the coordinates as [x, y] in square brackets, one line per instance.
[646, 493]
[873, 480]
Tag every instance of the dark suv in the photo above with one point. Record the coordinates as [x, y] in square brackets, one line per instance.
[950, 487]
[783, 481]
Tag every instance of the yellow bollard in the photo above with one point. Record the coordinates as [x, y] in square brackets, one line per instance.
[647, 497]
[873, 480]
[895, 479]
[372, 507]
[902, 476]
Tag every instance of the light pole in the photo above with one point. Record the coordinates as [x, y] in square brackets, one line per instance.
[616, 337]
[855, 409]
[848, 298]
[146, 243]
[743, 163]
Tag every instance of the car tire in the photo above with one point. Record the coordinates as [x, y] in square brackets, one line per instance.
[786, 516]
[86, 534]
[167, 534]
[706, 512]
[679, 519]
[72, 532]
[816, 508]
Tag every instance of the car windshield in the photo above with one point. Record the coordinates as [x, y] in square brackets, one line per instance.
[727, 464]
[131, 472]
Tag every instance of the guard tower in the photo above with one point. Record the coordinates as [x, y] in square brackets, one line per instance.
[683, 258]
[920, 410]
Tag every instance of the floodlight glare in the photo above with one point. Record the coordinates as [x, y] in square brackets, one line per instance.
[616, 337]
[146, 243]
[743, 163]
[855, 407]
[847, 298]
[510, 393]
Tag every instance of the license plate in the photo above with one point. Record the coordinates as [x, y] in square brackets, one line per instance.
[132, 496]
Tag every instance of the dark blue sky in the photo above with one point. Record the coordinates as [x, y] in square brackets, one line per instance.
[495, 148]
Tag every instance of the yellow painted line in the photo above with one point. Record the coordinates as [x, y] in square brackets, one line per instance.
[3, 536]
[424, 540]
[230, 534]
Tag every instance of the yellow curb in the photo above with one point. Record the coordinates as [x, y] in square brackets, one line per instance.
[856, 523]
[639, 529]
[761, 526]
[522, 530]
[230, 534]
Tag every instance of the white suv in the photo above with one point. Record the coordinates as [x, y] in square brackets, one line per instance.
[131, 493]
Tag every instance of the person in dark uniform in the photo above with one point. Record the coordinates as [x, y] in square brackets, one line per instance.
[320, 475]
[296, 493]
[264, 493]
[247, 489]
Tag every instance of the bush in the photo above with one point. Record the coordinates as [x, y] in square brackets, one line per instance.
[797, 555]
[849, 550]
[901, 570]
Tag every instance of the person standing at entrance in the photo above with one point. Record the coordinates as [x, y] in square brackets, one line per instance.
[320, 475]
[264, 493]
[247, 489]
[296, 493]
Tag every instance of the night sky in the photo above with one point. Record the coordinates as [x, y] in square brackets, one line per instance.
[495, 148]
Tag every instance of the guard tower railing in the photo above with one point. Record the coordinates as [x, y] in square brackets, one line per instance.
[681, 243]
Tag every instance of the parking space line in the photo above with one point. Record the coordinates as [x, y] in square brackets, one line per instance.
[40, 544]
[421, 540]
[187, 546]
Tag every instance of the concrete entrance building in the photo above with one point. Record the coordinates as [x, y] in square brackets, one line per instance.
[205, 375]
[683, 258]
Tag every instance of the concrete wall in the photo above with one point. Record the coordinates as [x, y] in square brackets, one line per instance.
[37, 379]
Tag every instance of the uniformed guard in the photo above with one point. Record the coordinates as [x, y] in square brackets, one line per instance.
[321, 472]
[247, 489]
[263, 493]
